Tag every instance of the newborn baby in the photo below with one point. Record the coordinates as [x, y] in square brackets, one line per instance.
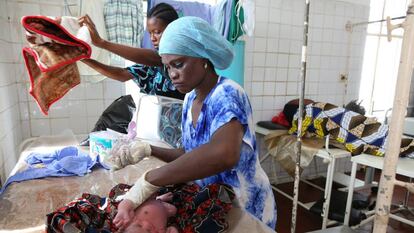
[152, 216]
[92, 212]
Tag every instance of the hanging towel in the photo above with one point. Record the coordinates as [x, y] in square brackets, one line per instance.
[219, 14]
[95, 10]
[55, 44]
[124, 21]
[227, 17]
[236, 22]
[67, 161]
[248, 7]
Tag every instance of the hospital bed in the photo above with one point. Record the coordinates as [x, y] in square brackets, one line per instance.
[330, 157]
[404, 168]
[24, 205]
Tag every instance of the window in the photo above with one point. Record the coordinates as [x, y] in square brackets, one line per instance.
[381, 58]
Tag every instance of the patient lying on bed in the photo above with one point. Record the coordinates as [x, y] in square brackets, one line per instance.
[181, 208]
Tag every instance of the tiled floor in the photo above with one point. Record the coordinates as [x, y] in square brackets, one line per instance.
[308, 221]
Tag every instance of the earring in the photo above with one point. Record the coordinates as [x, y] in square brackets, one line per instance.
[205, 65]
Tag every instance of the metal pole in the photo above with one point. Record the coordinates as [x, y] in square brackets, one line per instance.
[345, 78]
[298, 144]
[377, 21]
[386, 188]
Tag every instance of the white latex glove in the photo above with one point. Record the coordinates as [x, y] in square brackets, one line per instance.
[141, 191]
[130, 153]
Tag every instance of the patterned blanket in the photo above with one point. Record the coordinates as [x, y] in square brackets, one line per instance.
[55, 44]
[359, 134]
[199, 210]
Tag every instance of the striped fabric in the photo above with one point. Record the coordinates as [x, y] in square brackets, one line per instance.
[359, 134]
[124, 22]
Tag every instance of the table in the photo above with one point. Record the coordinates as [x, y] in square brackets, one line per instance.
[330, 155]
[24, 205]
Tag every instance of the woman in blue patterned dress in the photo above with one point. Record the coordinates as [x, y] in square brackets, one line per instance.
[149, 73]
[217, 128]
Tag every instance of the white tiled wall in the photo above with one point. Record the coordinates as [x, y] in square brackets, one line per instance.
[272, 65]
[20, 117]
[78, 110]
[10, 129]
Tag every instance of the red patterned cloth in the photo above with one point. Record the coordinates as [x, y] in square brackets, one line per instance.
[90, 213]
[201, 209]
[198, 210]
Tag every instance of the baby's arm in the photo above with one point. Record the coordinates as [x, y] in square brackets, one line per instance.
[124, 215]
[165, 197]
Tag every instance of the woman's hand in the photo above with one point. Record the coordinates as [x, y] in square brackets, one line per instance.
[141, 191]
[130, 153]
[96, 39]
[125, 214]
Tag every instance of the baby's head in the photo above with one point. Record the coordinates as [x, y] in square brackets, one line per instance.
[152, 217]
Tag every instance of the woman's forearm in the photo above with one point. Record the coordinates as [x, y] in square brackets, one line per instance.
[166, 155]
[197, 164]
[138, 55]
[220, 154]
[112, 72]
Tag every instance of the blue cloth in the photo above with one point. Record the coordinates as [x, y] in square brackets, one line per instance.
[194, 37]
[219, 16]
[227, 101]
[68, 161]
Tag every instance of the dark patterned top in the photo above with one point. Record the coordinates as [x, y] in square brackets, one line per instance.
[154, 80]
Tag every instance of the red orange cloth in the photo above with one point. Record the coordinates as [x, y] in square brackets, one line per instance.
[54, 47]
